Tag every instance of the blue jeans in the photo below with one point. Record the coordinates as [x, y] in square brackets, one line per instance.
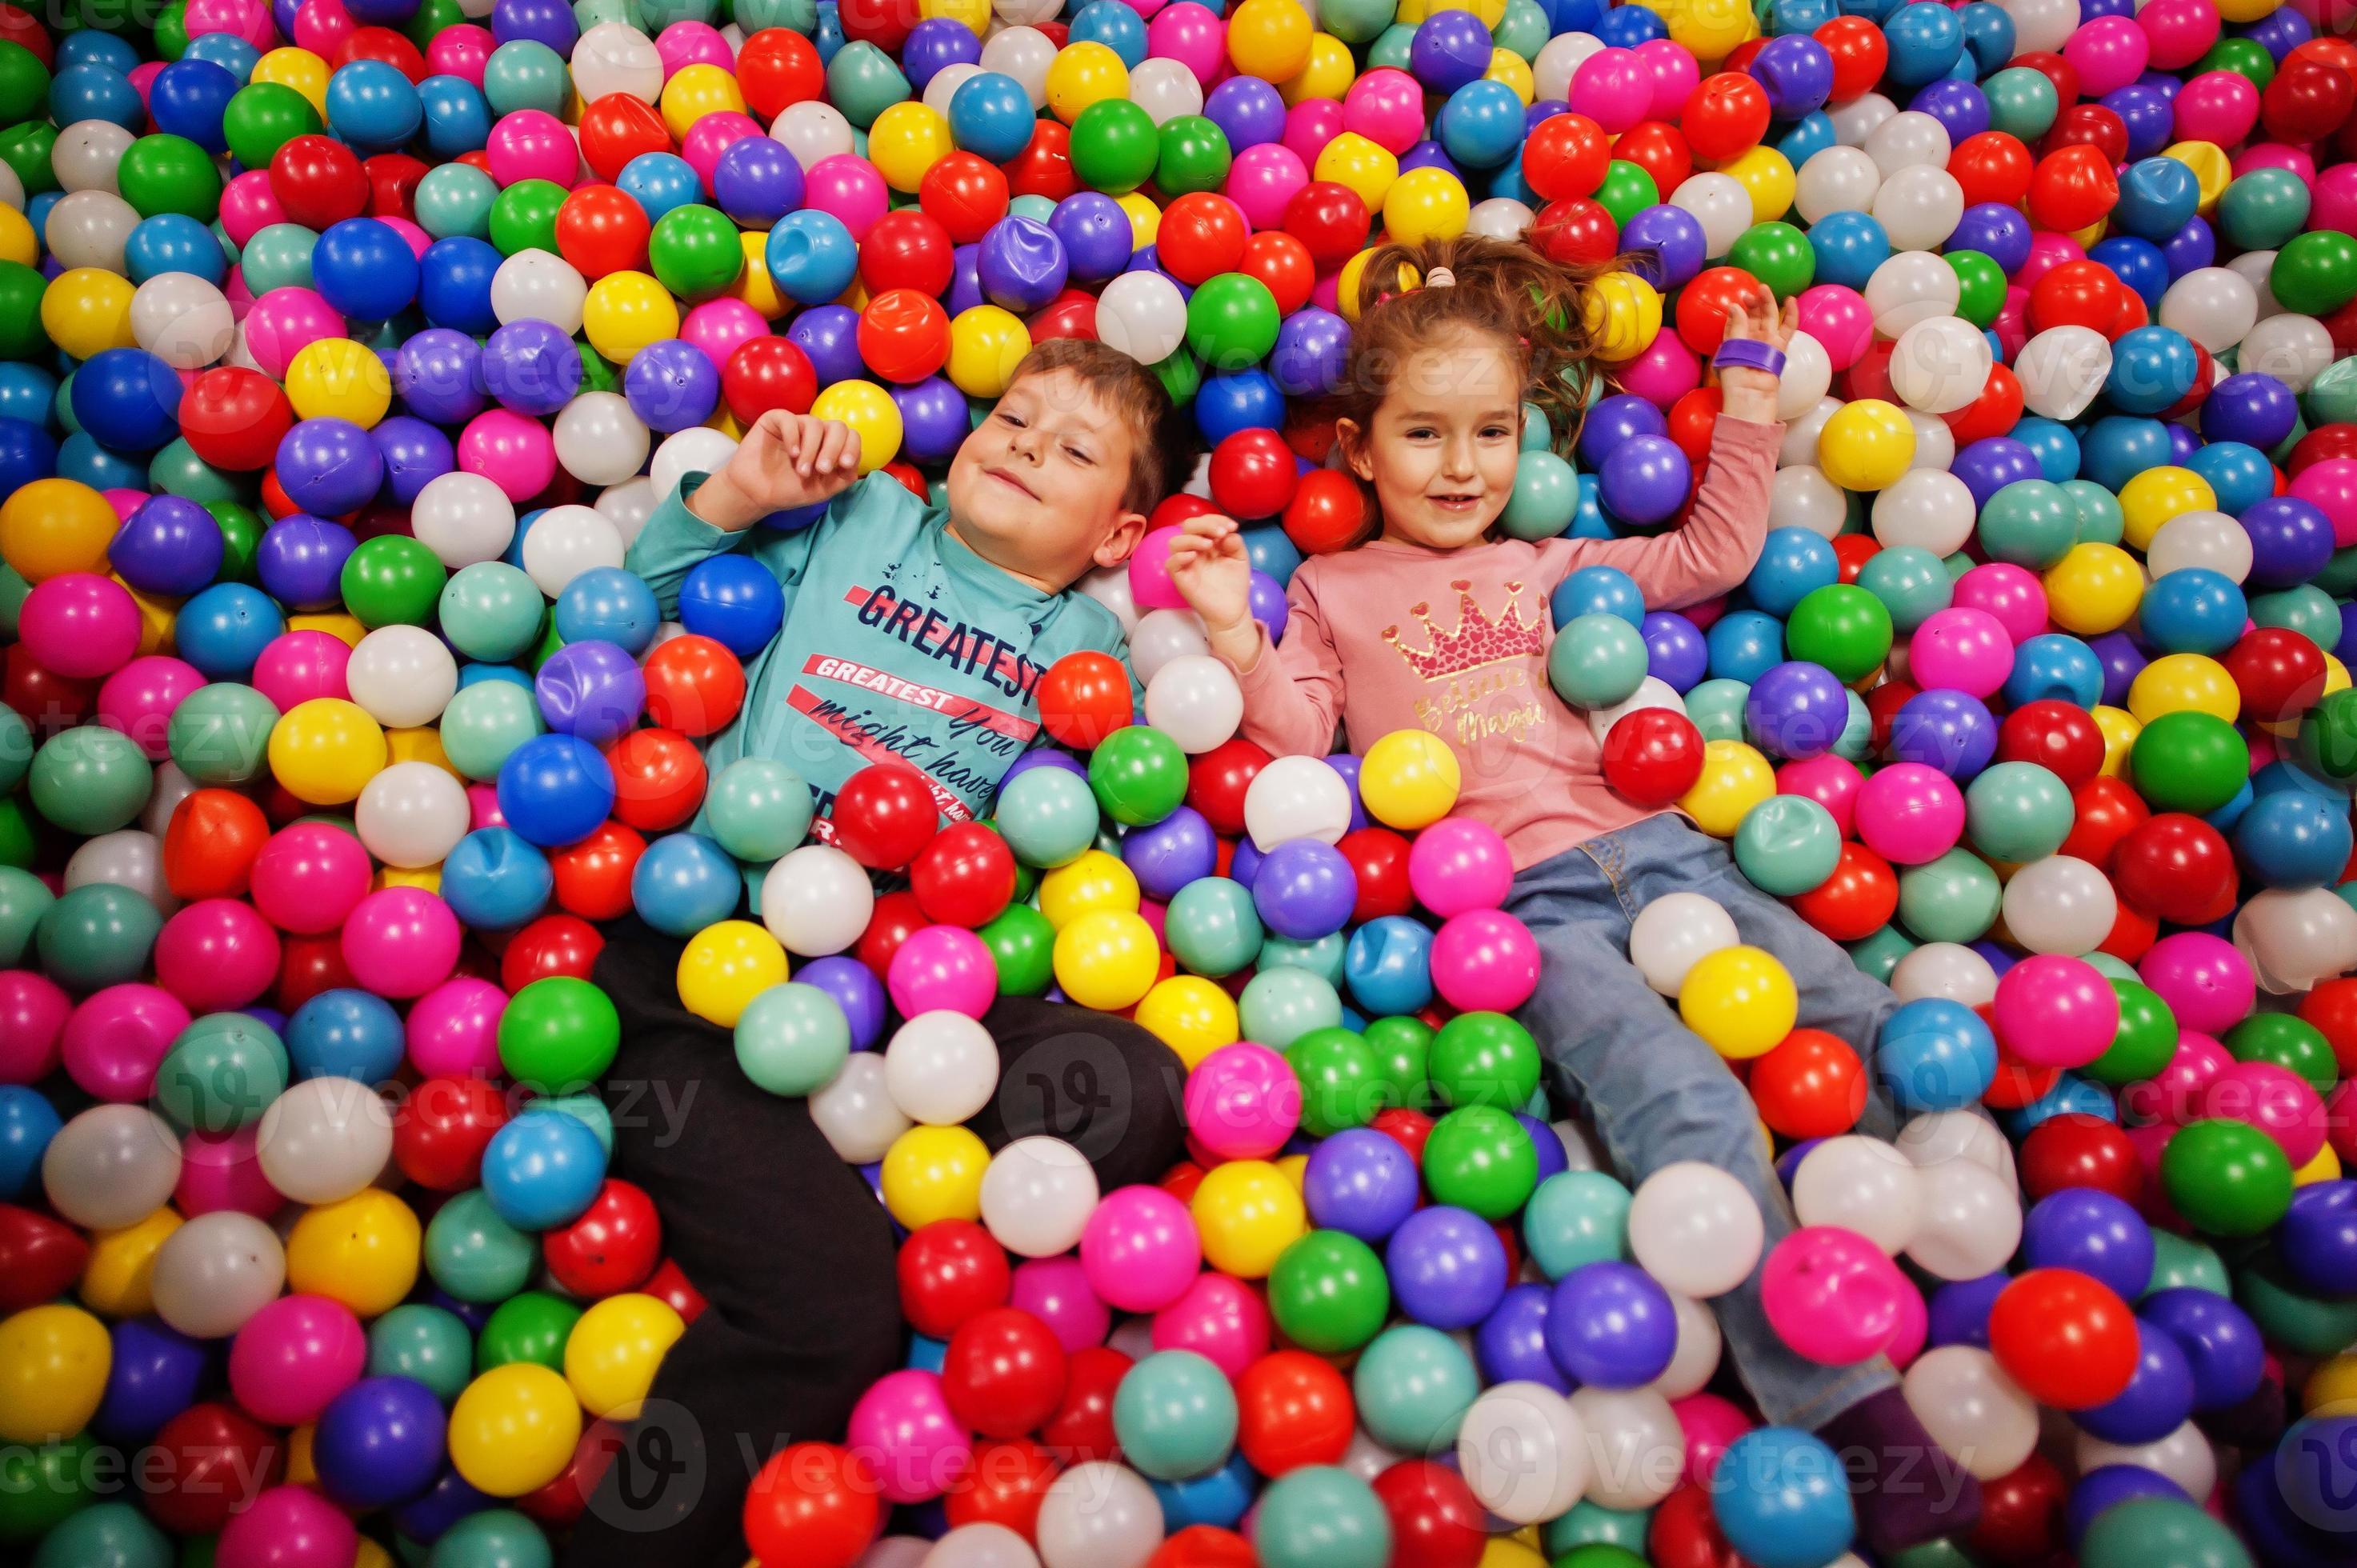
[1655, 1092]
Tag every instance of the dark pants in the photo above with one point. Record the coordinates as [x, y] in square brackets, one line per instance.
[789, 1246]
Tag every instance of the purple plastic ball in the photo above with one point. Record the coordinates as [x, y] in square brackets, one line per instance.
[1312, 346]
[591, 689]
[1449, 50]
[1449, 1269]
[1511, 1344]
[757, 181]
[2291, 540]
[1359, 1181]
[533, 367]
[1988, 465]
[439, 374]
[1022, 264]
[1797, 710]
[672, 384]
[934, 421]
[1171, 853]
[1644, 481]
[415, 454]
[1674, 239]
[329, 466]
[856, 990]
[1675, 649]
[1946, 729]
[1095, 233]
[829, 335]
[170, 545]
[1609, 1324]
[2157, 1400]
[1305, 889]
[1248, 109]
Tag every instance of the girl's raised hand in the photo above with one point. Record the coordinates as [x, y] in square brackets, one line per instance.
[1749, 394]
[1212, 573]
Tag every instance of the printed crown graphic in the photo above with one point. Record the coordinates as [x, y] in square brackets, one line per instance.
[1477, 639]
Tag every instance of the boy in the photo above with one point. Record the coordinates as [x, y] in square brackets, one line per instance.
[915, 635]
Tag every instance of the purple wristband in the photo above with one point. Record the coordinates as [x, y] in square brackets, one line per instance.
[1749, 353]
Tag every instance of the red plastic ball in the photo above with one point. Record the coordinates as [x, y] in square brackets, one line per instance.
[1084, 697]
[1284, 265]
[1566, 155]
[1003, 1372]
[2107, 811]
[441, 1130]
[694, 685]
[1577, 230]
[1995, 411]
[612, 1248]
[2075, 1149]
[1811, 1086]
[815, 1505]
[2071, 187]
[2021, 1513]
[620, 127]
[2278, 673]
[1254, 474]
[912, 249]
[2067, 1338]
[40, 1257]
[2092, 125]
[1045, 166]
[2059, 736]
[962, 195]
[1329, 511]
[1684, 1534]
[593, 876]
[1705, 304]
[2331, 1007]
[1218, 778]
[1293, 1408]
[965, 877]
[553, 944]
[1204, 1546]
[203, 1463]
[1991, 166]
[778, 67]
[233, 418]
[659, 777]
[1726, 115]
[1437, 1522]
[1201, 236]
[883, 23]
[1658, 149]
[1081, 1427]
[904, 336]
[2177, 867]
[1856, 900]
[948, 1271]
[1410, 1129]
[766, 374]
[1378, 856]
[393, 178]
[210, 843]
[1328, 217]
[1652, 756]
[600, 230]
[384, 45]
[1002, 1483]
[318, 181]
[1071, 314]
[896, 917]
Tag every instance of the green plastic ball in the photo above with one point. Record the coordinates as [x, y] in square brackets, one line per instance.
[791, 1040]
[1412, 1385]
[531, 1327]
[43, 1486]
[27, 148]
[1952, 898]
[24, 83]
[1175, 1414]
[2021, 103]
[2144, 1042]
[2288, 1041]
[523, 216]
[524, 73]
[1627, 189]
[2246, 58]
[1212, 927]
[1480, 1158]
[1910, 582]
[221, 1073]
[1980, 286]
[1576, 1218]
[2189, 762]
[2228, 1177]
[1403, 1048]
[392, 580]
[1789, 845]
[264, 117]
[1329, 1293]
[89, 780]
[169, 174]
[220, 734]
[455, 200]
[1842, 627]
[1546, 494]
[24, 899]
[1340, 1079]
[557, 1033]
[2017, 811]
[1192, 154]
[1321, 1516]
[1023, 944]
[1597, 659]
[693, 250]
[1484, 1058]
[1778, 254]
[1138, 776]
[1231, 322]
[2315, 274]
[1048, 816]
[96, 935]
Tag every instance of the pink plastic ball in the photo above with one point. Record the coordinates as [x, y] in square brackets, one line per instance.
[1326, 294]
[2053, 1011]
[684, 44]
[1914, 1328]
[300, 665]
[2331, 487]
[1056, 1292]
[294, 1356]
[462, 50]
[531, 144]
[2275, 154]
[1485, 961]
[2181, 31]
[1836, 317]
[285, 322]
[240, 299]
[1243, 1101]
[1663, 373]
[2173, 1095]
[2275, 1099]
[1832, 1295]
[221, 1171]
[1191, 33]
[453, 1031]
[321, 25]
[717, 328]
[1457, 864]
[1614, 88]
[1710, 1423]
[1675, 76]
[1831, 781]
[247, 206]
[125, 502]
[80, 624]
[847, 188]
[513, 452]
[1262, 182]
[1149, 572]
[2340, 1118]
[287, 1527]
[1964, 649]
[118, 1037]
[308, 877]
[2012, 323]
[2218, 106]
[1157, 920]
[1140, 1248]
[2203, 979]
[483, 808]
[1386, 106]
[2333, 202]
[400, 942]
[1909, 813]
[712, 136]
[217, 955]
[942, 969]
[1310, 125]
[33, 1013]
[1220, 1318]
[418, 240]
[2012, 593]
[143, 79]
[2108, 53]
[139, 699]
[247, 19]
[2046, 250]
[914, 1446]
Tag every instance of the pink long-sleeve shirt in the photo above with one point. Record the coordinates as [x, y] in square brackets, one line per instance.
[1392, 636]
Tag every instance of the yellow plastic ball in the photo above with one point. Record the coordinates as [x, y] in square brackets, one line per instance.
[1083, 74]
[345, 629]
[303, 1456]
[2247, 10]
[1710, 31]
[1347, 285]
[974, 14]
[513, 1429]
[1270, 39]
[1327, 73]
[420, 743]
[2331, 1389]
[2324, 1166]
[1191, 1015]
[119, 1280]
[1735, 778]
[1145, 217]
[754, 284]
[1295, 1168]
[725, 966]
[1106, 959]
[301, 70]
[626, 311]
[370, 1555]
[1741, 1000]
[2119, 729]
[53, 1365]
[1365, 166]
[1623, 316]
[1766, 176]
[1508, 1551]
[1512, 68]
[2184, 683]
[1094, 881]
[336, 378]
[157, 614]
[985, 345]
[934, 1173]
[18, 243]
[906, 140]
[54, 526]
[695, 90]
[1866, 445]
[1248, 1214]
[2212, 170]
[424, 878]
[362, 1252]
[1409, 779]
[86, 310]
[2157, 495]
[326, 750]
[1426, 204]
[2094, 589]
[615, 1346]
[869, 410]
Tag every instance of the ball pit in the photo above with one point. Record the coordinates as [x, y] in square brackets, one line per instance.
[344, 348]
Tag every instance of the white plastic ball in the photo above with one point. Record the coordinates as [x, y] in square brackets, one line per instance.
[1024, 53]
[2042, 27]
[1636, 1447]
[1969, 1222]
[1523, 1451]
[1652, 692]
[1940, 365]
[1559, 60]
[1860, 1184]
[412, 815]
[2184, 1456]
[1143, 315]
[1836, 179]
[599, 441]
[1935, 444]
[812, 130]
[1674, 933]
[1909, 139]
[1978, 1415]
[1109, 585]
[940, 1068]
[2212, 305]
[1694, 1228]
[1297, 797]
[1720, 204]
[1036, 1195]
[1695, 1360]
[1166, 90]
[1801, 432]
[1859, 118]
[463, 518]
[565, 542]
[325, 1138]
[1162, 636]
[1503, 218]
[817, 900]
[130, 858]
[403, 676]
[2208, 540]
[2292, 349]
[182, 320]
[1808, 376]
[1196, 702]
[86, 155]
[1918, 207]
[854, 1112]
[628, 506]
[1912, 286]
[1948, 971]
[2062, 904]
[110, 1166]
[1098, 1515]
[88, 228]
[1929, 509]
[216, 1271]
[533, 285]
[2062, 369]
[614, 57]
[1801, 497]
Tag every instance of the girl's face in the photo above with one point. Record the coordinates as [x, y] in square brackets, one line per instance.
[1442, 447]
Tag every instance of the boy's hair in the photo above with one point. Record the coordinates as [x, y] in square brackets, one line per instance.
[1162, 451]
[1537, 308]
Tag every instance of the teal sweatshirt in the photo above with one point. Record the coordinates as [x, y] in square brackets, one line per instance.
[899, 643]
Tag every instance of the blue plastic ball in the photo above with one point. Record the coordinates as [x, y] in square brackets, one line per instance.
[542, 1169]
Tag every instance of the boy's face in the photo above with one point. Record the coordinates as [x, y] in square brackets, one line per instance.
[1037, 488]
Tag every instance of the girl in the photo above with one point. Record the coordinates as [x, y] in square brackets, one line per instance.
[1435, 620]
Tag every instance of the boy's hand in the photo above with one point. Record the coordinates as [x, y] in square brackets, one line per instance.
[1209, 568]
[1748, 393]
[786, 461]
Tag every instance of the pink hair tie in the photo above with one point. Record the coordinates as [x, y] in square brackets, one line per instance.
[1439, 277]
